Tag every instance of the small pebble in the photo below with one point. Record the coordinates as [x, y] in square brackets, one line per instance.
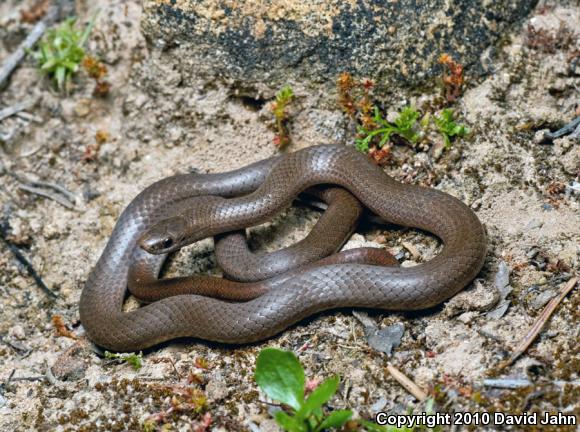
[547, 207]
[217, 389]
[83, 108]
[542, 298]
[532, 253]
[18, 332]
[467, 317]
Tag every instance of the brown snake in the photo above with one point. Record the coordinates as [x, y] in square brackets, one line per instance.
[240, 264]
[260, 191]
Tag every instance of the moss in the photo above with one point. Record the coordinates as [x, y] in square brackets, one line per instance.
[250, 396]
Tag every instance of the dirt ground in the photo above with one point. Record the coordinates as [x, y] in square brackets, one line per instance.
[105, 150]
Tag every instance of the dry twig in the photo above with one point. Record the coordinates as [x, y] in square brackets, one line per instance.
[540, 322]
[407, 383]
[15, 109]
[22, 259]
[572, 129]
[47, 194]
[14, 59]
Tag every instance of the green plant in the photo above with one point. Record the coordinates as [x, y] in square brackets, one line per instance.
[404, 126]
[61, 51]
[283, 99]
[448, 128]
[135, 360]
[280, 376]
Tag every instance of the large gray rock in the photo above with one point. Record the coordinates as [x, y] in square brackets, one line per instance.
[394, 42]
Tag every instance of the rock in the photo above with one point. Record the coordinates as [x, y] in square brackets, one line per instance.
[379, 405]
[217, 389]
[571, 160]
[467, 317]
[385, 339]
[269, 425]
[542, 298]
[396, 43]
[499, 311]
[69, 369]
[70, 366]
[502, 279]
[17, 332]
[83, 108]
[480, 298]
[382, 340]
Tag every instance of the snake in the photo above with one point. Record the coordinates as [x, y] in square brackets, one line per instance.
[246, 197]
[240, 264]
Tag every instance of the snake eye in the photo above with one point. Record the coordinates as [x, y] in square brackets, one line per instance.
[167, 243]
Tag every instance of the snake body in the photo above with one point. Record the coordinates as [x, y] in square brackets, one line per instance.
[246, 197]
[239, 263]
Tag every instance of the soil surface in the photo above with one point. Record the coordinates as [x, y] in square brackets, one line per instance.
[153, 123]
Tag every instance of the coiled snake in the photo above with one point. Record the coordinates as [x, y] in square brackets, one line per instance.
[170, 214]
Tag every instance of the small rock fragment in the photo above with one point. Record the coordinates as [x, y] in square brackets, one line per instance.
[217, 389]
[83, 108]
[542, 298]
[502, 279]
[412, 249]
[467, 317]
[69, 366]
[382, 340]
[501, 282]
[379, 405]
[499, 311]
[17, 332]
[479, 298]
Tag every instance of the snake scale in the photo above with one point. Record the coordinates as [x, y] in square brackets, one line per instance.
[247, 197]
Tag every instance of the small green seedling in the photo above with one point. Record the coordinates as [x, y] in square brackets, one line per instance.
[61, 51]
[135, 360]
[404, 126]
[281, 377]
[448, 128]
[283, 99]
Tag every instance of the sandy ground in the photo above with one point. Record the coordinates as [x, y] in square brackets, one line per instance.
[155, 126]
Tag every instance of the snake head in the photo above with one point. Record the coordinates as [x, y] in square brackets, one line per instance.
[165, 236]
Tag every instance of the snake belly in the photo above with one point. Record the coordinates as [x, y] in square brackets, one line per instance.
[267, 187]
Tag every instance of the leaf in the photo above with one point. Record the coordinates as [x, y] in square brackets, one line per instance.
[135, 360]
[429, 406]
[336, 419]
[60, 75]
[280, 375]
[446, 141]
[289, 423]
[447, 126]
[49, 64]
[319, 397]
[384, 139]
[89, 28]
[373, 427]
[284, 95]
[407, 118]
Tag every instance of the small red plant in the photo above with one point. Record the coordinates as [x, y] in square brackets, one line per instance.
[97, 71]
[453, 80]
